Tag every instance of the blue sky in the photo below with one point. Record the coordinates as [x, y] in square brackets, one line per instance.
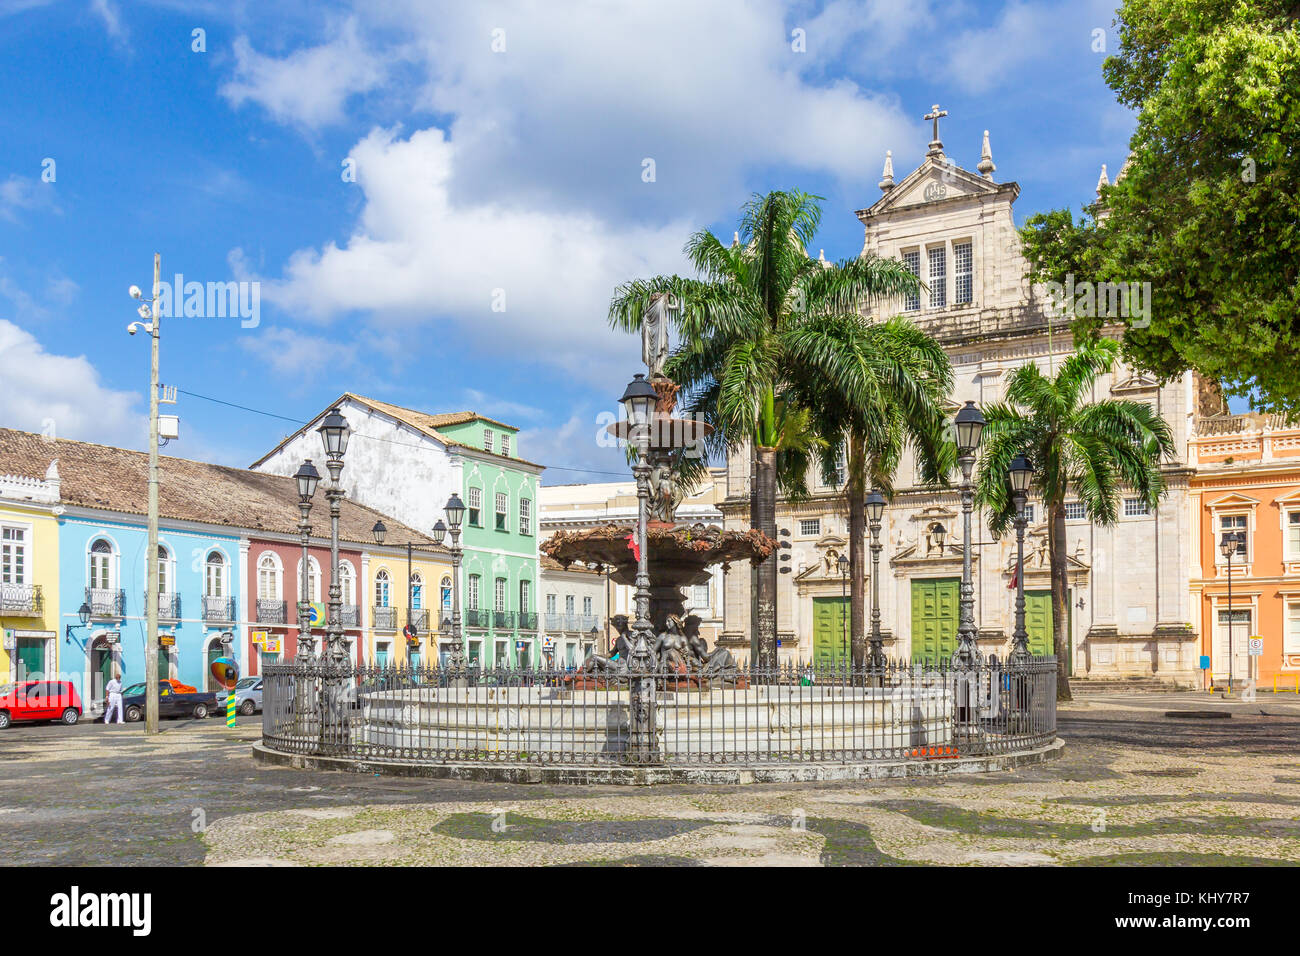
[477, 170]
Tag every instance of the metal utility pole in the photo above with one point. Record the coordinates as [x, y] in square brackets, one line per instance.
[152, 595]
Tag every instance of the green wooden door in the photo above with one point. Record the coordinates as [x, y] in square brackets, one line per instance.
[1038, 622]
[934, 619]
[31, 658]
[831, 644]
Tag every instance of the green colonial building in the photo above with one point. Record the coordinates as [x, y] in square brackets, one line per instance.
[407, 463]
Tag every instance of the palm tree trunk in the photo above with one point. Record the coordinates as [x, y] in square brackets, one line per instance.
[1060, 597]
[856, 490]
[765, 508]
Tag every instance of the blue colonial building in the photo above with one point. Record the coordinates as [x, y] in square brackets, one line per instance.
[103, 563]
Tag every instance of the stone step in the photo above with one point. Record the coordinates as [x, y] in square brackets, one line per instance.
[1083, 687]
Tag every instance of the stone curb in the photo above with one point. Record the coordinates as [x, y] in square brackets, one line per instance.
[646, 776]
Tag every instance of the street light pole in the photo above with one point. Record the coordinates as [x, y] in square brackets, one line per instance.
[875, 507]
[455, 510]
[639, 400]
[307, 478]
[334, 433]
[152, 593]
[1228, 545]
[1020, 473]
[969, 427]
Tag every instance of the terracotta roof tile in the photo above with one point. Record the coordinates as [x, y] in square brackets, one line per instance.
[117, 479]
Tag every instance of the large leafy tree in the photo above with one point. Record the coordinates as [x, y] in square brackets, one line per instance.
[741, 361]
[1091, 452]
[1208, 207]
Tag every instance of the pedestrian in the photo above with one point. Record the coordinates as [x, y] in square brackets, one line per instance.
[113, 693]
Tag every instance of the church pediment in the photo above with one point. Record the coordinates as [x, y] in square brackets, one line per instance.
[932, 182]
[1136, 382]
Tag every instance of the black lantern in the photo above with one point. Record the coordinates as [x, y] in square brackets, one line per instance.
[308, 478]
[970, 425]
[1020, 471]
[875, 505]
[439, 531]
[83, 613]
[455, 511]
[940, 534]
[379, 531]
[1230, 544]
[334, 432]
[639, 400]
[843, 563]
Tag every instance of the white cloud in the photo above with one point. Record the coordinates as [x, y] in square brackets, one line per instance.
[19, 192]
[107, 11]
[43, 390]
[298, 356]
[416, 256]
[309, 87]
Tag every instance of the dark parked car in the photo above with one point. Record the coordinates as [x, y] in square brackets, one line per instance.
[170, 704]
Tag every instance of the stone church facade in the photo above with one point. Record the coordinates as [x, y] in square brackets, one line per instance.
[1130, 609]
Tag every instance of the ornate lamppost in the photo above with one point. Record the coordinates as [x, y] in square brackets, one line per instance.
[1228, 546]
[843, 565]
[639, 400]
[875, 509]
[334, 432]
[455, 511]
[969, 425]
[307, 478]
[1020, 472]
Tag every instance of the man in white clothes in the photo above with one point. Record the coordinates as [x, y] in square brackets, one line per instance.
[113, 691]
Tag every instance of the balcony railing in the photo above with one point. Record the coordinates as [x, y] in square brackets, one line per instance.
[476, 618]
[218, 608]
[571, 622]
[169, 605]
[106, 602]
[21, 600]
[272, 612]
[350, 615]
[527, 620]
[589, 621]
[385, 618]
[418, 618]
[503, 620]
[555, 622]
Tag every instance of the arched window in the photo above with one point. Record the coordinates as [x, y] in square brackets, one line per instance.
[346, 579]
[214, 575]
[381, 589]
[102, 570]
[268, 578]
[417, 591]
[446, 593]
[164, 570]
[313, 579]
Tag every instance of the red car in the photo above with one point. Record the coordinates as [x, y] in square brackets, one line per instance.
[39, 700]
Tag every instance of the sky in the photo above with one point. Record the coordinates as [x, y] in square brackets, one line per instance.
[436, 201]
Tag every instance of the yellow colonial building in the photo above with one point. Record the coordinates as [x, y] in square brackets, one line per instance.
[405, 588]
[29, 575]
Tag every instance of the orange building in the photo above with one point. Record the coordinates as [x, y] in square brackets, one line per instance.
[1247, 481]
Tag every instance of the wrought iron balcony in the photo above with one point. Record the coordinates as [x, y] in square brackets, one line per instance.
[527, 620]
[555, 622]
[272, 612]
[476, 618]
[418, 618]
[349, 615]
[169, 605]
[589, 621]
[218, 608]
[106, 602]
[385, 618]
[571, 622]
[503, 620]
[21, 600]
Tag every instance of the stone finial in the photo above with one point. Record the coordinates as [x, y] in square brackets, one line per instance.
[52, 473]
[735, 239]
[986, 166]
[887, 175]
[936, 144]
[1102, 180]
[1128, 161]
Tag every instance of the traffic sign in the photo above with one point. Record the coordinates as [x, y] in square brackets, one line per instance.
[1256, 646]
[1205, 662]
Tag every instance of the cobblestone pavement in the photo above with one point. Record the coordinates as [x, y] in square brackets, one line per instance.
[1134, 787]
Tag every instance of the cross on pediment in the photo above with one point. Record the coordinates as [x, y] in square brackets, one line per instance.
[935, 114]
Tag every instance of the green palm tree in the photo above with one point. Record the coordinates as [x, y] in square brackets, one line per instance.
[738, 360]
[878, 390]
[1089, 451]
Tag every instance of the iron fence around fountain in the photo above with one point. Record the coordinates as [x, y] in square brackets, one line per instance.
[798, 714]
